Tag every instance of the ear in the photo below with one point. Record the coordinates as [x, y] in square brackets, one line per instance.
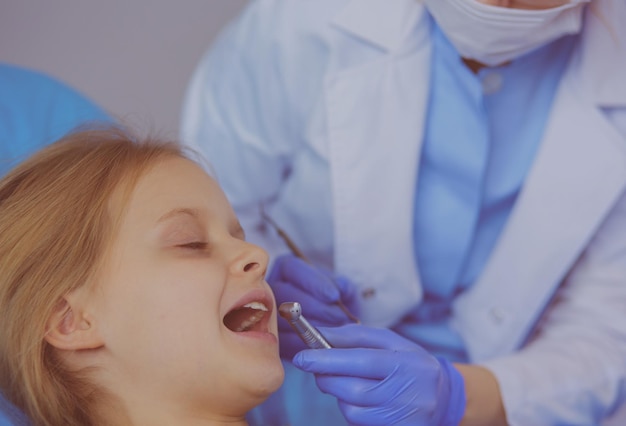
[70, 328]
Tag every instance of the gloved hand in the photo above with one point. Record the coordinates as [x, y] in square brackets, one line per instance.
[317, 291]
[381, 378]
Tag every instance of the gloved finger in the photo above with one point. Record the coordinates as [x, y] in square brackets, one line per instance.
[348, 289]
[304, 276]
[351, 390]
[389, 392]
[363, 363]
[357, 416]
[316, 311]
[376, 416]
[349, 294]
[360, 336]
[287, 292]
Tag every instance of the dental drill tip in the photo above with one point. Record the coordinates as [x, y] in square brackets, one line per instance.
[291, 311]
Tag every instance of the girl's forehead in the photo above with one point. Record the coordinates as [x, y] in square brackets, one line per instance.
[174, 184]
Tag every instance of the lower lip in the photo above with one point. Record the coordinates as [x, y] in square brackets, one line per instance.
[263, 336]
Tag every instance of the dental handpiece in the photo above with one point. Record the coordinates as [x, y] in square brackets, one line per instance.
[292, 312]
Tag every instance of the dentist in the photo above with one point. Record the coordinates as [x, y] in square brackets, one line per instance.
[460, 166]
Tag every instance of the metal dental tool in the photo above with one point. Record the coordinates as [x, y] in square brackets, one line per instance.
[292, 312]
[298, 253]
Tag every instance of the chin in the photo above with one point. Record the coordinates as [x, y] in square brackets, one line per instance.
[271, 378]
[240, 390]
[265, 380]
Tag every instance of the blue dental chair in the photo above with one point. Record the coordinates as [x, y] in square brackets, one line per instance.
[11, 415]
[35, 110]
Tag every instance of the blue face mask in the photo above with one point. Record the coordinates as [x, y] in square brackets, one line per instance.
[494, 35]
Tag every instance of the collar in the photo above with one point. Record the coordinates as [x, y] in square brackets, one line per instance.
[384, 23]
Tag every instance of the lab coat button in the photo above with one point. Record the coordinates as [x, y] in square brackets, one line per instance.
[492, 82]
[368, 293]
[497, 315]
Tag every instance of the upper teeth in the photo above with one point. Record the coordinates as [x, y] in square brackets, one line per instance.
[256, 305]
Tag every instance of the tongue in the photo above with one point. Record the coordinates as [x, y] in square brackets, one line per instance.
[235, 319]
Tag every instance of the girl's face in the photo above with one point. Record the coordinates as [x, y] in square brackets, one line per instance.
[182, 305]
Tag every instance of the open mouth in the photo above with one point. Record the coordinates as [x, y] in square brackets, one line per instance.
[249, 317]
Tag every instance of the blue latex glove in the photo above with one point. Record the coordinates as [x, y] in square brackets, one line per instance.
[381, 378]
[317, 291]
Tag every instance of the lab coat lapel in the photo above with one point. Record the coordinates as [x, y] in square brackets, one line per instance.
[576, 178]
[375, 114]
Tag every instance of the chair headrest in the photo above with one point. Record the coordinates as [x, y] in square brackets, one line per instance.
[10, 415]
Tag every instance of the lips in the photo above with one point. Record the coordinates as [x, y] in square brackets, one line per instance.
[251, 313]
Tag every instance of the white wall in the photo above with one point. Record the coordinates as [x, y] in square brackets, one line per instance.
[132, 57]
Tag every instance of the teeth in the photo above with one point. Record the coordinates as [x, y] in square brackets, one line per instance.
[256, 305]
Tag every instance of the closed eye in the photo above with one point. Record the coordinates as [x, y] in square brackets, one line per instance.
[194, 245]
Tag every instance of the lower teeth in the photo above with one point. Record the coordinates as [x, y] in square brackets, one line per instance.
[248, 324]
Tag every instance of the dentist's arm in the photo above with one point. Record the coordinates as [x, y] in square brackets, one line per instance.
[483, 400]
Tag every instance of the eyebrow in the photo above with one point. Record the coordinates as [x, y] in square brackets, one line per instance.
[178, 212]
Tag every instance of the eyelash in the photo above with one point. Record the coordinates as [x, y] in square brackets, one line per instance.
[196, 245]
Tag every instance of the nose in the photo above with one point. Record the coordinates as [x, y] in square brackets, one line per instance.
[250, 259]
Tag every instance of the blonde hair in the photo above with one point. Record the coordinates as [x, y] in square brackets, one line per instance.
[56, 223]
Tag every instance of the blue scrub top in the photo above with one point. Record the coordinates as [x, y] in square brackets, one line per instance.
[36, 110]
[482, 133]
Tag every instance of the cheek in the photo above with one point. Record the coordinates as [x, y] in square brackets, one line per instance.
[179, 300]
[165, 331]
[159, 302]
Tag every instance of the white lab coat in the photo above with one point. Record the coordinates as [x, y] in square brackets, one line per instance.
[317, 109]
